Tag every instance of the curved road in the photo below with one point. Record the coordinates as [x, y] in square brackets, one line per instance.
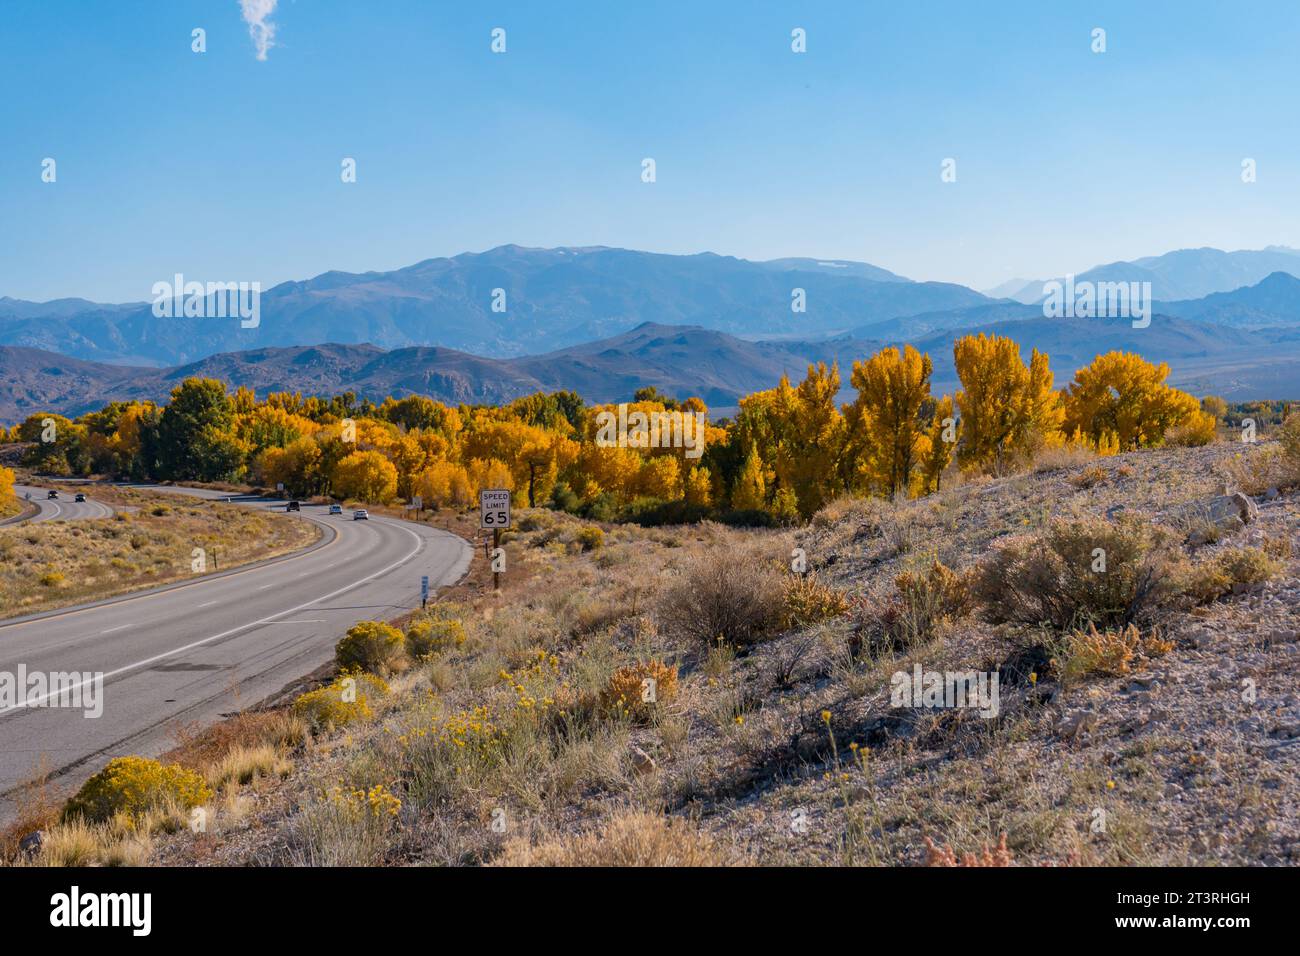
[61, 508]
[191, 653]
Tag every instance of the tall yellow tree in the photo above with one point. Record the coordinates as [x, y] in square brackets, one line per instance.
[1008, 408]
[885, 422]
[799, 436]
[1123, 394]
[937, 447]
[750, 490]
[366, 476]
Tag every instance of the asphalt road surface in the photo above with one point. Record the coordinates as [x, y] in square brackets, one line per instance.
[189, 654]
[64, 508]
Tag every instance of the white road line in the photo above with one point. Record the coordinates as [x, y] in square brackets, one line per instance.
[207, 604]
[315, 620]
[419, 544]
[122, 627]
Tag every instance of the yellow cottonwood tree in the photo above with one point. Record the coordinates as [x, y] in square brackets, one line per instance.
[885, 421]
[1123, 394]
[799, 436]
[750, 490]
[1008, 408]
[937, 447]
[367, 476]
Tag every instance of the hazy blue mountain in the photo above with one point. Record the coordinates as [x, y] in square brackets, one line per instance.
[1273, 301]
[863, 270]
[1014, 289]
[1239, 364]
[553, 298]
[678, 360]
[62, 308]
[1186, 273]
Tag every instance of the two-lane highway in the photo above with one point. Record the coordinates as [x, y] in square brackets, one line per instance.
[63, 508]
[192, 653]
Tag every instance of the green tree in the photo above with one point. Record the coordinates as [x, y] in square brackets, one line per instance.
[195, 433]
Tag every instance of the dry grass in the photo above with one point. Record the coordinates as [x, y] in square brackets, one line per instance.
[55, 563]
[629, 838]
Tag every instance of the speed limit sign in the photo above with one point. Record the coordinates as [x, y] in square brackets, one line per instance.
[494, 508]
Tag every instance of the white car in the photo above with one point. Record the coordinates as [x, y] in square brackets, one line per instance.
[360, 515]
[336, 509]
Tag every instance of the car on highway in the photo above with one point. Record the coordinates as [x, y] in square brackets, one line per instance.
[79, 497]
[293, 506]
[336, 509]
[360, 515]
[52, 494]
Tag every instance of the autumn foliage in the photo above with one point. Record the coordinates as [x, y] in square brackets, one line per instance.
[787, 452]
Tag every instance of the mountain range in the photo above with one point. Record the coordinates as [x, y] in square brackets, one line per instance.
[678, 360]
[549, 299]
[1182, 274]
[604, 322]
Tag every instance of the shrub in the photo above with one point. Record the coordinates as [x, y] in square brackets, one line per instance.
[1197, 430]
[51, 579]
[433, 635]
[591, 538]
[340, 703]
[1049, 579]
[443, 756]
[727, 596]
[1256, 471]
[632, 838]
[1109, 653]
[371, 646]
[1289, 436]
[808, 601]
[1231, 570]
[133, 786]
[348, 827]
[628, 688]
[921, 603]
[1089, 477]
[535, 521]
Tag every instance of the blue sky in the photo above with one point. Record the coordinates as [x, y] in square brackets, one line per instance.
[226, 167]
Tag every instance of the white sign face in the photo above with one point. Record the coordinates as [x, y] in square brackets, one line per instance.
[494, 508]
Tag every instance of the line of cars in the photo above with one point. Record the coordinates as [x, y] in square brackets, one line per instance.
[79, 497]
[359, 515]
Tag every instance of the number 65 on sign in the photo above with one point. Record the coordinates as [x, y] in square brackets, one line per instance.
[494, 508]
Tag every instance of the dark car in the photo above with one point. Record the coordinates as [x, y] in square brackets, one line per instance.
[79, 497]
[52, 494]
[293, 506]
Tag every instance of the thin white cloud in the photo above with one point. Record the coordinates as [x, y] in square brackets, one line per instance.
[257, 15]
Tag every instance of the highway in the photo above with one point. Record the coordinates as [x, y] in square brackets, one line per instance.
[64, 508]
[191, 653]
